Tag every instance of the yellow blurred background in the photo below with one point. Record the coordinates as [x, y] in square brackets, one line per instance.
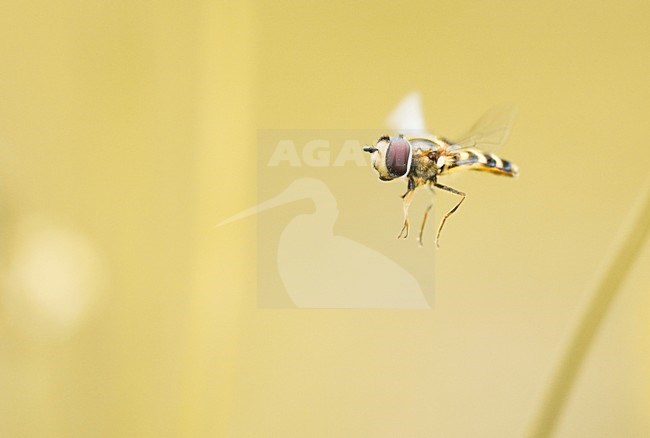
[128, 129]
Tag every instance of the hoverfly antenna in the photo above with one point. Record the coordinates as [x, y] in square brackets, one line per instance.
[370, 149]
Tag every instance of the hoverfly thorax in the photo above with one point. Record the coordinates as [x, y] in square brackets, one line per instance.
[391, 157]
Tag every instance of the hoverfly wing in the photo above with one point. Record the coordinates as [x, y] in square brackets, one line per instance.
[407, 117]
[491, 131]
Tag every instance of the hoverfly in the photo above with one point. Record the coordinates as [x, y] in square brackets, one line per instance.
[422, 159]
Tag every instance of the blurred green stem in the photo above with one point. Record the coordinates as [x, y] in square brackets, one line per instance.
[556, 396]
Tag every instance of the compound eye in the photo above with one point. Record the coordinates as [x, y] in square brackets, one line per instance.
[398, 156]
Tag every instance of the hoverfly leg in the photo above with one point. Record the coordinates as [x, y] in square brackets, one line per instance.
[406, 198]
[426, 215]
[449, 213]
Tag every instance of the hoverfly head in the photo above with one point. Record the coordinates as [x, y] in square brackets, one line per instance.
[391, 157]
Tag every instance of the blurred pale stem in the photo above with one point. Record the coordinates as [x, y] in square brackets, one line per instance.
[558, 390]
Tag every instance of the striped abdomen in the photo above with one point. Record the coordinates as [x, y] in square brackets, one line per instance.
[474, 159]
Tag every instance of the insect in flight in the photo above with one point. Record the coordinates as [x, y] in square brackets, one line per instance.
[422, 159]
